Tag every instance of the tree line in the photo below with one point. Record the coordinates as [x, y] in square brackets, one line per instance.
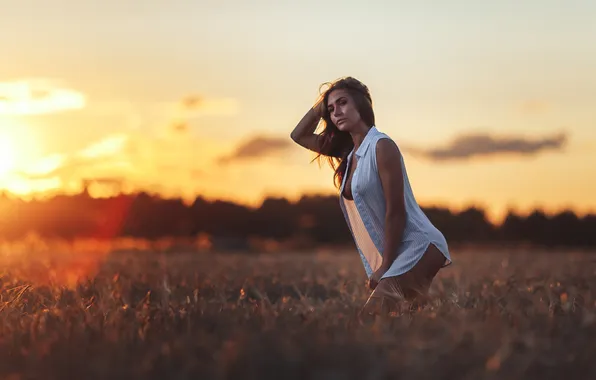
[317, 219]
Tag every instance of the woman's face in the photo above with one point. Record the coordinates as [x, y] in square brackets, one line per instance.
[342, 110]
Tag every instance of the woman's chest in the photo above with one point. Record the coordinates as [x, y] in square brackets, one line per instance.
[361, 178]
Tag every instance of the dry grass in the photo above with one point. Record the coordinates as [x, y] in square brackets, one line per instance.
[513, 315]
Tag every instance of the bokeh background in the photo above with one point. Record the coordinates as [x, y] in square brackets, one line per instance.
[491, 105]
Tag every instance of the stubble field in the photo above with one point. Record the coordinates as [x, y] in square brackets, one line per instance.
[513, 314]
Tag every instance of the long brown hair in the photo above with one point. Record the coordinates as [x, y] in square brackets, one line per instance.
[336, 144]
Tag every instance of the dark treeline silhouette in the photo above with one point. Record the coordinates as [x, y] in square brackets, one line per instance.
[315, 219]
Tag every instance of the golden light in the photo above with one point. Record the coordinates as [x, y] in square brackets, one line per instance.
[106, 147]
[37, 96]
[19, 149]
[44, 165]
[7, 156]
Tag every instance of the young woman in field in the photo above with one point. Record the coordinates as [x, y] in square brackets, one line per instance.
[401, 250]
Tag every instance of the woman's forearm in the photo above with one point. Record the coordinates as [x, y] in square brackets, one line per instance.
[307, 125]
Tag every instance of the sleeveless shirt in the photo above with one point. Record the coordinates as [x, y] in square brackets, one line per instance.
[365, 214]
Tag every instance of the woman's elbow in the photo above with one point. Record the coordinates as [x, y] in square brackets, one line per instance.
[396, 215]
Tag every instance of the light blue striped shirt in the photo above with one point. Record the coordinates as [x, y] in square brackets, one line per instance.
[365, 215]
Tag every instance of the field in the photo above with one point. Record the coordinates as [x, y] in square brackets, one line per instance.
[91, 312]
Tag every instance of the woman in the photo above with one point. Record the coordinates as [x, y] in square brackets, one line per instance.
[400, 248]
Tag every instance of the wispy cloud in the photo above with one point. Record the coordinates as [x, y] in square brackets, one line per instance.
[37, 96]
[130, 159]
[483, 145]
[534, 106]
[109, 157]
[167, 154]
[110, 145]
[256, 147]
[192, 106]
[179, 116]
[45, 165]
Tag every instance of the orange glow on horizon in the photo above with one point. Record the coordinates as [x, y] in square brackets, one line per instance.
[19, 153]
[7, 156]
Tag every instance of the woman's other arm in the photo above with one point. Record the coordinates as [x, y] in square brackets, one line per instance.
[304, 133]
[390, 173]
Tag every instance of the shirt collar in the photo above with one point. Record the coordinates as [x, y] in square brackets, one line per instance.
[366, 142]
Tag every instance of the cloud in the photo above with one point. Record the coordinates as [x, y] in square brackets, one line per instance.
[534, 107]
[108, 146]
[159, 151]
[106, 157]
[37, 96]
[195, 105]
[180, 115]
[256, 147]
[78, 168]
[475, 145]
[133, 160]
[45, 165]
[180, 127]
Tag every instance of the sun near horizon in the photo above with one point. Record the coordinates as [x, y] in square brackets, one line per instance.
[202, 102]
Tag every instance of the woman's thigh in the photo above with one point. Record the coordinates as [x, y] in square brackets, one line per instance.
[425, 270]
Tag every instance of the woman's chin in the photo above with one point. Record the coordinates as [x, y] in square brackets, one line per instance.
[343, 127]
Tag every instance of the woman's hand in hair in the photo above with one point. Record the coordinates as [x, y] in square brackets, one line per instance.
[319, 107]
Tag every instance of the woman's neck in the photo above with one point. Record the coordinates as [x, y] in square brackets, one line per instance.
[359, 134]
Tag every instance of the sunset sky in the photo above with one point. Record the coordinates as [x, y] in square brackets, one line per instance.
[492, 103]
